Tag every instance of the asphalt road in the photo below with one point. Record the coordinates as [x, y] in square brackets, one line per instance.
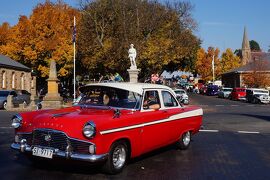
[234, 144]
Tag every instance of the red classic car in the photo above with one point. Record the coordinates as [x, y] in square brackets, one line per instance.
[238, 94]
[110, 123]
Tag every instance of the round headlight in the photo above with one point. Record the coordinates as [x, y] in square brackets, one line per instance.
[89, 130]
[16, 121]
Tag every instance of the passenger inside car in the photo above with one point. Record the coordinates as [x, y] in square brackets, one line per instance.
[151, 100]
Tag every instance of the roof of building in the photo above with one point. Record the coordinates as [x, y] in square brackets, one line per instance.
[261, 66]
[12, 64]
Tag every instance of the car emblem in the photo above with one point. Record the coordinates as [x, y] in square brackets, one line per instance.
[48, 138]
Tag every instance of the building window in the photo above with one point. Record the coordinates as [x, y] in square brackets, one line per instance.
[22, 81]
[4, 78]
[32, 82]
[13, 80]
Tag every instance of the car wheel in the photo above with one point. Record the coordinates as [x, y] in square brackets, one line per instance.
[117, 158]
[184, 141]
[5, 105]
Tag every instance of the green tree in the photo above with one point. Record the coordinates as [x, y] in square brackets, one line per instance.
[162, 35]
[254, 46]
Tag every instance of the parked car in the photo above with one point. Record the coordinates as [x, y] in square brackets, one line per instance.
[110, 123]
[238, 94]
[24, 96]
[181, 96]
[212, 90]
[203, 89]
[224, 92]
[257, 96]
[17, 98]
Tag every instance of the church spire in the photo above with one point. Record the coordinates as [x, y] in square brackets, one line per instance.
[246, 52]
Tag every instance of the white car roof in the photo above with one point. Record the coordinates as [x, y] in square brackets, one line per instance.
[134, 87]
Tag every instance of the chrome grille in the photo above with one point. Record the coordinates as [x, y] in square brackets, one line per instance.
[59, 140]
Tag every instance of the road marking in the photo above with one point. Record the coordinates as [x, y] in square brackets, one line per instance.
[219, 105]
[208, 130]
[234, 105]
[248, 132]
[250, 105]
[6, 127]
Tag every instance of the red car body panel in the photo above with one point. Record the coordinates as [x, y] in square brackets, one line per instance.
[148, 136]
[130, 121]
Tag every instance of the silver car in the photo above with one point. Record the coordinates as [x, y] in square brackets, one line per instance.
[182, 96]
[224, 92]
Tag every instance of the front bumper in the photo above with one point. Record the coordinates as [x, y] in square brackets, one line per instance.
[25, 148]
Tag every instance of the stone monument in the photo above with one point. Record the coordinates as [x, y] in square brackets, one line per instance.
[133, 71]
[52, 98]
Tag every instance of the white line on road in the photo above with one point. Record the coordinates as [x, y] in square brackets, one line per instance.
[248, 132]
[208, 130]
[234, 105]
[6, 127]
[219, 105]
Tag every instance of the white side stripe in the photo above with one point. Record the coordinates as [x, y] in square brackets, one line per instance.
[193, 113]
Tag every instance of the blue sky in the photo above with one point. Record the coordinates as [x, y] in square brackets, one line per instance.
[221, 22]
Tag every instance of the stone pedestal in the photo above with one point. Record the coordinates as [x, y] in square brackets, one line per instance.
[52, 98]
[10, 104]
[133, 75]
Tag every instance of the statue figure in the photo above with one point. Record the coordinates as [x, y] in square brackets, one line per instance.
[132, 55]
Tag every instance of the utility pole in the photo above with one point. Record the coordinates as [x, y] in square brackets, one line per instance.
[213, 68]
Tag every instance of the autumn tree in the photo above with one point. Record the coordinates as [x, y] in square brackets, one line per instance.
[5, 34]
[45, 35]
[229, 61]
[204, 63]
[162, 35]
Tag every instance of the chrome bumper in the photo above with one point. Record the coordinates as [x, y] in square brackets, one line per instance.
[24, 148]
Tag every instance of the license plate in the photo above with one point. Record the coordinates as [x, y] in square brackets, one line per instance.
[42, 152]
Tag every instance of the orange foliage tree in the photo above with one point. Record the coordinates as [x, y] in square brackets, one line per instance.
[45, 35]
[204, 63]
[229, 61]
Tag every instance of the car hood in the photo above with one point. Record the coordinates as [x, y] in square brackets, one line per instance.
[69, 120]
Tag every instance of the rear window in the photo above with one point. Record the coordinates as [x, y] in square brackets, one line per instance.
[240, 90]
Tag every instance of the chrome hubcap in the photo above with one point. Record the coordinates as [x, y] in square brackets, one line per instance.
[5, 105]
[186, 138]
[119, 156]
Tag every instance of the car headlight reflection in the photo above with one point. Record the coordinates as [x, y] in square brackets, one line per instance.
[89, 129]
[16, 121]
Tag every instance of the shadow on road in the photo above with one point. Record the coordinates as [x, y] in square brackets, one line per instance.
[261, 117]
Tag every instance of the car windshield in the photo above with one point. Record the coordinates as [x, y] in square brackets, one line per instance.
[261, 92]
[4, 93]
[227, 90]
[179, 92]
[108, 97]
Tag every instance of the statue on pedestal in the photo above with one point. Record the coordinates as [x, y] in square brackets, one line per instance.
[132, 56]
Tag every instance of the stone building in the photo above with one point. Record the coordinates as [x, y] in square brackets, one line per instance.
[15, 76]
[258, 62]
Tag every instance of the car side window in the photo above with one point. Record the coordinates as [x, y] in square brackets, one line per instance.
[168, 99]
[151, 100]
[14, 94]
